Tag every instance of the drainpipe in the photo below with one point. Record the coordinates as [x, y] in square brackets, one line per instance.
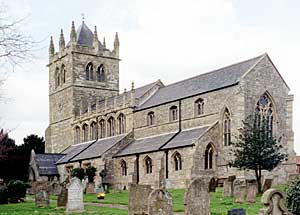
[137, 169]
[179, 116]
[167, 165]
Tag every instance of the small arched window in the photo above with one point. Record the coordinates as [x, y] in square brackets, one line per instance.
[121, 123]
[123, 168]
[63, 74]
[199, 107]
[89, 72]
[148, 165]
[177, 162]
[85, 132]
[150, 118]
[102, 128]
[57, 77]
[101, 73]
[77, 134]
[93, 131]
[226, 127]
[209, 157]
[111, 126]
[173, 113]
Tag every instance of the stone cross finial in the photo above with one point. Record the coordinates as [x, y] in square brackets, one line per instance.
[132, 85]
[61, 40]
[51, 47]
[82, 16]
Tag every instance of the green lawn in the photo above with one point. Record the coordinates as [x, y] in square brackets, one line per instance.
[113, 197]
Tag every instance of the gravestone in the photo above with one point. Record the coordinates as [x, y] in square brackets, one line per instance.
[273, 203]
[239, 190]
[228, 186]
[90, 188]
[62, 197]
[251, 190]
[267, 184]
[75, 195]
[237, 211]
[197, 199]
[42, 198]
[160, 203]
[55, 188]
[138, 199]
[212, 185]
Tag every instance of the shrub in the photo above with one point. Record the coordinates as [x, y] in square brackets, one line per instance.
[78, 172]
[3, 195]
[293, 196]
[17, 190]
[90, 173]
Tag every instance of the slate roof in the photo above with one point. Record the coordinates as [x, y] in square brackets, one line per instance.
[186, 137]
[98, 148]
[73, 150]
[46, 163]
[147, 144]
[85, 35]
[206, 82]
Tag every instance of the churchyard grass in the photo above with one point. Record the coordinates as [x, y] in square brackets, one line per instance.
[114, 197]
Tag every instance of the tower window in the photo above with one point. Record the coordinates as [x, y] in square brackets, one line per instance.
[57, 77]
[199, 107]
[150, 118]
[121, 123]
[209, 153]
[226, 127]
[101, 73]
[173, 113]
[111, 126]
[102, 128]
[63, 74]
[148, 164]
[89, 72]
[85, 132]
[123, 168]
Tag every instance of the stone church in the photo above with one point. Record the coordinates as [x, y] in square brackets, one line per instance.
[176, 131]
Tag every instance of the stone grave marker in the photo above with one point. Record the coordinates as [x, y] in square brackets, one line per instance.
[228, 186]
[197, 199]
[42, 198]
[90, 188]
[75, 196]
[62, 197]
[237, 211]
[239, 190]
[160, 203]
[273, 203]
[138, 199]
[251, 190]
[267, 184]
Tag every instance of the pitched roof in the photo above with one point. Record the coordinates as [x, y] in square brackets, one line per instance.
[98, 148]
[203, 83]
[186, 137]
[46, 163]
[85, 36]
[72, 151]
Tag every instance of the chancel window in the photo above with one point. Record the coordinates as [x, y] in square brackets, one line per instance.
[177, 162]
[102, 128]
[209, 157]
[199, 107]
[121, 123]
[93, 131]
[77, 134]
[173, 113]
[100, 73]
[123, 168]
[111, 126]
[264, 113]
[85, 132]
[150, 118]
[148, 165]
[226, 127]
[89, 72]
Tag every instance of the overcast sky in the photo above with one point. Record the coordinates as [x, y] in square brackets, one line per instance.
[159, 39]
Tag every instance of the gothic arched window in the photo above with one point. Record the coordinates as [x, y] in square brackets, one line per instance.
[63, 74]
[57, 77]
[209, 157]
[77, 134]
[199, 107]
[111, 126]
[173, 113]
[89, 72]
[93, 131]
[121, 123]
[177, 161]
[100, 73]
[265, 112]
[102, 128]
[151, 118]
[148, 165]
[85, 132]
[123, 168]
[226, 127]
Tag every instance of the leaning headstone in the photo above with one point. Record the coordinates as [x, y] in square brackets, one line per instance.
[228, 186]
[197, 199]
[138, 199]
[62, 197]
[239, 190]
[212, 185]
[75, 196]
[251, 190]
[42, 198]
[160, 203]
[267, 184]
[237, 211]
[273, 203]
